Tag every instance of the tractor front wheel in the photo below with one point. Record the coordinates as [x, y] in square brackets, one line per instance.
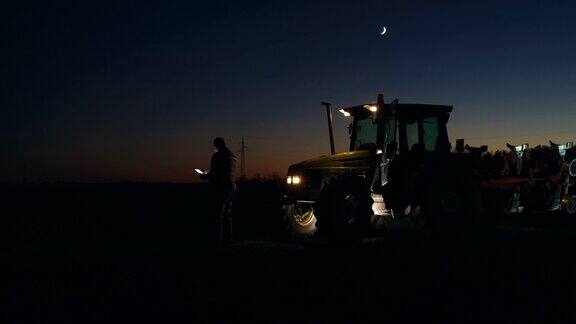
[344, 208]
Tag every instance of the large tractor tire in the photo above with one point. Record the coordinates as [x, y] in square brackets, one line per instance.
[343, 209]
[451, 204]
[300, 220]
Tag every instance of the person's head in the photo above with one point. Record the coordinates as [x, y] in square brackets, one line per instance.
[219, 144]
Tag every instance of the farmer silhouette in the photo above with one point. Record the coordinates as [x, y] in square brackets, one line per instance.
[223, 187]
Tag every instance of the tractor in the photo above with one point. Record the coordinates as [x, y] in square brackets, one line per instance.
[399, 166]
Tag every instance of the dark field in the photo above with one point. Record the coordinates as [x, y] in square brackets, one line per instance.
[142, 253]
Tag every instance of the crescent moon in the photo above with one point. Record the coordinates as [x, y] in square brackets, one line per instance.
[383, 31]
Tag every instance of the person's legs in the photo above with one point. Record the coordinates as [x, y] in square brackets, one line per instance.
[225, 217]
[230, 226]
[222, 215]
[217, 220]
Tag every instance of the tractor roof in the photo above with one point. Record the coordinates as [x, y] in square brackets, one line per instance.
[406, 109]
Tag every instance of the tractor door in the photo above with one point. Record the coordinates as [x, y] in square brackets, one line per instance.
[386, 143]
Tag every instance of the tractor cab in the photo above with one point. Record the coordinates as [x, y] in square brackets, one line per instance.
[398, 128]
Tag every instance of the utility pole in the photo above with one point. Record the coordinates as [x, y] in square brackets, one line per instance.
[243, 159]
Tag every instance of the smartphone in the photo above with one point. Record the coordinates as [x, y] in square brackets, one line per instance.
[199, 171]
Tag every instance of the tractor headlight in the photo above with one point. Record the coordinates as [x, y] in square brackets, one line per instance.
[293, 180]
[372, 108]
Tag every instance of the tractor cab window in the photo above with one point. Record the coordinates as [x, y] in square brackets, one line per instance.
[420, 134]
[412, 136]
[364, 134]
[430, 133]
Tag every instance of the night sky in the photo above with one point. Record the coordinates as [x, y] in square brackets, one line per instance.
[133, 90]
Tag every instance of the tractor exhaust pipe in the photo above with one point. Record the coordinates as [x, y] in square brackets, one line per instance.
[330, 131]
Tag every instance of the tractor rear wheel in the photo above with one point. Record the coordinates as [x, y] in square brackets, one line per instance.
[343, 209]
[452, 204]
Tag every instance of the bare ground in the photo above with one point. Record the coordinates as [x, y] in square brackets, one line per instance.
[141, 253]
